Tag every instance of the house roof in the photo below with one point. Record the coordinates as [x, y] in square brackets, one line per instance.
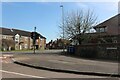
[7, 31]
[116, 17]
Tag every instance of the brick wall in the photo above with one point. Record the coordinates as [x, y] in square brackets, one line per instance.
[102, 51]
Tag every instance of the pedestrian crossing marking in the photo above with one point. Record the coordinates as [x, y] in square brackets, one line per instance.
[5, 61]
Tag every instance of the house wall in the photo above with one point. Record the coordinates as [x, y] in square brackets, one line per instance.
[118, 26]
[24, 42]
[28, 43]
[112, 24]
[42, 43]
[8, 40]
[31, 43]
[9, 37]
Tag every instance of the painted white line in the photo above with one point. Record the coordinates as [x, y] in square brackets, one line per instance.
[8, 55]
[21, 74]
[6, 62]
[3, 57]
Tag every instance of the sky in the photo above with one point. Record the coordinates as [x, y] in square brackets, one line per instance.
[47, 16]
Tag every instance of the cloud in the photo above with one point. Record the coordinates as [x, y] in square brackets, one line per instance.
[110, 7]
[82, 5]
[103, 6]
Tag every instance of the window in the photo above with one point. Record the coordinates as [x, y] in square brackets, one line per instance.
[105, 29]
[102, 29]
[4, 37]
[97, 29]
[17, 38]
[115, 41]
[26, 46]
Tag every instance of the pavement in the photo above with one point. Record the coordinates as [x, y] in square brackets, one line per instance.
[62, 63]
[14, 71]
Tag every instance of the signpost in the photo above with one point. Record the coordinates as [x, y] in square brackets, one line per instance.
[34, 36]
[34, 40]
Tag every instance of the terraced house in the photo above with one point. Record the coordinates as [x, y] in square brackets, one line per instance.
[14, 39]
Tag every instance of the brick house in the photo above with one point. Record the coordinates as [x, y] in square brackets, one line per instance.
[57, 44]
[104, 43]
[109, 28]
[19, 40]
[106, 32]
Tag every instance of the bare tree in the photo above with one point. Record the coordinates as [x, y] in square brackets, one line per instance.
[77, 24]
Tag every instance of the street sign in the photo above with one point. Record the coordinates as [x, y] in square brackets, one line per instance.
[35, 35]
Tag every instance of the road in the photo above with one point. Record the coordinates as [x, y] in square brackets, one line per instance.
[12, 70]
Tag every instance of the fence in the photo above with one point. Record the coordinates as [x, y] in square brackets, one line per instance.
[104, 51]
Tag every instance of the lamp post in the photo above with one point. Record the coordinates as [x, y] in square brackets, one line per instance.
[63, 24]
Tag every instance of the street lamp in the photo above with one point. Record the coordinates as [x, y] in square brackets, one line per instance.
[63, 23]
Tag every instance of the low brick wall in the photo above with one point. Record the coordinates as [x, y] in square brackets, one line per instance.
[86, 50]
[104, 51]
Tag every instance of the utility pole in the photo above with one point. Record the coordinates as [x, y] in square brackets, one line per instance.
[34, 39]
[63, 24]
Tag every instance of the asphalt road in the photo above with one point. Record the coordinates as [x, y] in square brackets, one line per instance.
[11, 70]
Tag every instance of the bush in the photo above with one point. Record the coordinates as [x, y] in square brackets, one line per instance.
[1, 49]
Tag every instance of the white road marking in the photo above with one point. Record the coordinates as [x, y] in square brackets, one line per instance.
[6, 62]
[8, 55]
[21, 74]
[4, 57]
